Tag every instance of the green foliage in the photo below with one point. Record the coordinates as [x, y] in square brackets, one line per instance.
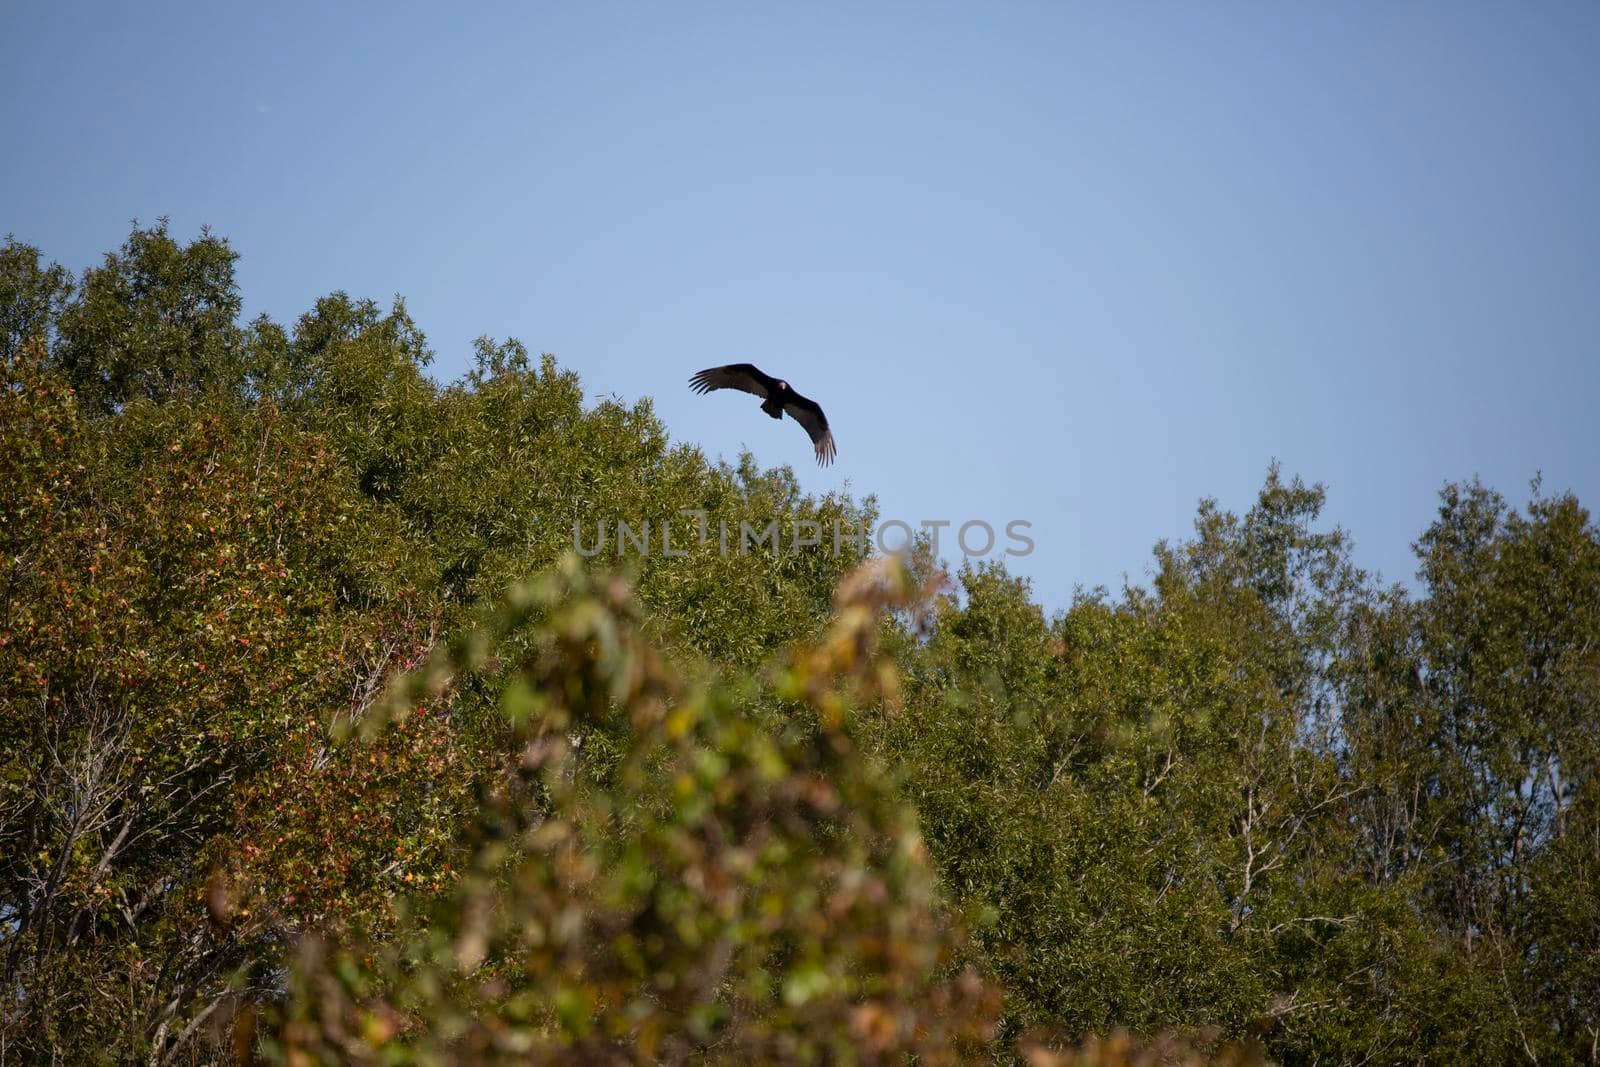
[156, 320]
[310, 714]
[719, 890]
[32, 297]
[220, 546]
[1475, 719]
[1267, 797]
[184, 591]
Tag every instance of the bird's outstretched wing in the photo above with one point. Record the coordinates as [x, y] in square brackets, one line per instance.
[746, 377]
[809, 414]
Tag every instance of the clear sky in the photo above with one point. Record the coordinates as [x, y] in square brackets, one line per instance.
[1075, 264]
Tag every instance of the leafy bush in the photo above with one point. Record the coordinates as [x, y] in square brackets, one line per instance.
[720, 890]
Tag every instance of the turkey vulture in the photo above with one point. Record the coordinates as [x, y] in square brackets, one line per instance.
[777, 397]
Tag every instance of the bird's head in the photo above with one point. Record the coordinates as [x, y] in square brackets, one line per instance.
[783, 384]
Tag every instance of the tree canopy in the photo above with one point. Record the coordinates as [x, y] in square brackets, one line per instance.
[319, 743]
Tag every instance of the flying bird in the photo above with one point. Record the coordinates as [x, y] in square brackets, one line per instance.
[777, 397]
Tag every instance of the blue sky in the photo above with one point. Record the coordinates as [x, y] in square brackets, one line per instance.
[1079, 265]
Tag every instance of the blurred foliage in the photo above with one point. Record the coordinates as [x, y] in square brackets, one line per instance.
[1121, 1049]
[319, 742]
[718, 891]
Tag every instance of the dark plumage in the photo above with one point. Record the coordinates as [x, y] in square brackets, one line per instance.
[777, 397]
